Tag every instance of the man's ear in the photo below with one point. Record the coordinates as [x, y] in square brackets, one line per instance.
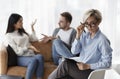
[68, 23]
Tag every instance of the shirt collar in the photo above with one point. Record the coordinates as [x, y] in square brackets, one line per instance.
[96, 35]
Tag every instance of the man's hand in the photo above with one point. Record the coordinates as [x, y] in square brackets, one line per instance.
[46, 38]
[83, 66]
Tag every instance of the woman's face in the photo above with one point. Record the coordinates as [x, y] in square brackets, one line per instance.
[92, 24]
[19, 24]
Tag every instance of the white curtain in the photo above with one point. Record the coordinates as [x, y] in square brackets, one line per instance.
[47, 14]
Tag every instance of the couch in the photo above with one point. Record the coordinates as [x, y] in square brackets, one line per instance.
[45, 50]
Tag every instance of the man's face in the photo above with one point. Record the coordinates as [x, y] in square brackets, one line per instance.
[62, 22]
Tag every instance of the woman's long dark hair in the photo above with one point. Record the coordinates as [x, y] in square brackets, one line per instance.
[13, 19]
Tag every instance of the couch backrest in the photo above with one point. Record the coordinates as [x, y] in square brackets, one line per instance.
[44, 48]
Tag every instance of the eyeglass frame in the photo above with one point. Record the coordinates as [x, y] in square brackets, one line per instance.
[91, 25]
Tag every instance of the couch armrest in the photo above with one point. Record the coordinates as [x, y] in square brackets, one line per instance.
[3, 60]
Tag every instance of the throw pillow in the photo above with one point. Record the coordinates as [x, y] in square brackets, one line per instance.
[12, 57]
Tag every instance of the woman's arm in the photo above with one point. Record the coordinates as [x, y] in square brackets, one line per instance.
[106, 57]
[18, 50]
[33, 36]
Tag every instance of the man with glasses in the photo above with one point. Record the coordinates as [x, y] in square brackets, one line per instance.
[93, 47]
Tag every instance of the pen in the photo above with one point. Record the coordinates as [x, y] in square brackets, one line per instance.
[84, 26]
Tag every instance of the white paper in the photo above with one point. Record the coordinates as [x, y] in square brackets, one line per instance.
[77, 59]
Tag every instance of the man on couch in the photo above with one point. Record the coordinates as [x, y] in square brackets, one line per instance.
[62, 37]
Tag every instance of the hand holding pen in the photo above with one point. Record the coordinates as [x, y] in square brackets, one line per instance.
[80, 29]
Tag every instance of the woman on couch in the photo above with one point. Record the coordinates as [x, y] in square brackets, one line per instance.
[19, 40]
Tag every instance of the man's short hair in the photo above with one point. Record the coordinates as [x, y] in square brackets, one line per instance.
[67, 16]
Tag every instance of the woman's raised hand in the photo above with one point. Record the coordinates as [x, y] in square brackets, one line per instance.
[80, 29]
[32, 25]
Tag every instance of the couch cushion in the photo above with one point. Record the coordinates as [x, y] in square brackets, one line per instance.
[17, 71]
[44, 48]
[21, 71]
[48, 68]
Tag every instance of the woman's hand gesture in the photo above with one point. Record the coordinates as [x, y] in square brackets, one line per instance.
[80, 29]
[33, 23]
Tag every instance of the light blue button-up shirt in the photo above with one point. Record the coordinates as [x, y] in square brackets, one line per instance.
[95, 51]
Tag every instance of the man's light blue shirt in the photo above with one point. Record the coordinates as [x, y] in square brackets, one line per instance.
[95, 51]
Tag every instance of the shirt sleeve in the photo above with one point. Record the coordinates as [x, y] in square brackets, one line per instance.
[106, 56]
[18, 50]
[77, 44]
[76, 47]
[33, 37]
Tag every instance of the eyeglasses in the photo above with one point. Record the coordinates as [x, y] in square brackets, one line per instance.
[91, 25]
